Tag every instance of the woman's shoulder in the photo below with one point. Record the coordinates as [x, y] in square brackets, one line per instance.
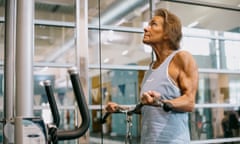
[184, 58]
[183, 53]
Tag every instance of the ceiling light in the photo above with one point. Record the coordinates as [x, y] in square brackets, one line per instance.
[43, 37]
[110, 36]
[43, 69]
[123, 20]
[106, 60]
[193, 24]
[125, 52]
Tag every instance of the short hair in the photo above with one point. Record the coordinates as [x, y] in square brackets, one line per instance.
[172, 27]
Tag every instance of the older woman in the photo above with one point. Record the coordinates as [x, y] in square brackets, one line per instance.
[171, 79]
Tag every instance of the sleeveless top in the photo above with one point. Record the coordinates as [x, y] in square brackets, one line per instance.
[158, 126]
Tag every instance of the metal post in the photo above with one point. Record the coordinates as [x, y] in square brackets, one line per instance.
[24, 64]
[82, 48]
[10, 23]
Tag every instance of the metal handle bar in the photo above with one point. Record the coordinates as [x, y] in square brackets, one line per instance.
[126, 110]
[52, 102]
[82, 105]
[137, 109]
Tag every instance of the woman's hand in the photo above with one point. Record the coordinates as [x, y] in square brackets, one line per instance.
[111, 107]
[150, 97]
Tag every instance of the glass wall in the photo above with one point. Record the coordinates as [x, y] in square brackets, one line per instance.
[55, 51]
[117, 60]
[2, 13]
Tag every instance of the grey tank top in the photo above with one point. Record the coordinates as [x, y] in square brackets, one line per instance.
[158, 126]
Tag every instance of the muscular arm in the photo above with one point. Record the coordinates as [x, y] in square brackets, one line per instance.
[184, 71]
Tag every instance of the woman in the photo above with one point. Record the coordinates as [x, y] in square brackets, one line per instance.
[172, 79]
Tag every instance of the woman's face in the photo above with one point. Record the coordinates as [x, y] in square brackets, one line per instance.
[154, 32]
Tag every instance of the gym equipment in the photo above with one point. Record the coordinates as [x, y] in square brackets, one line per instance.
[54, 132]
[33, 130]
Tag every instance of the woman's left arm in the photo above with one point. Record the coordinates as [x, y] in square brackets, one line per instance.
[187, 81]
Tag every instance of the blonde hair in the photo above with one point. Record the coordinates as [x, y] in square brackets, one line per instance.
[172, 27]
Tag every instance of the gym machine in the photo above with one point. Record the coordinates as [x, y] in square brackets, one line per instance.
[56, 134]
[35, 131]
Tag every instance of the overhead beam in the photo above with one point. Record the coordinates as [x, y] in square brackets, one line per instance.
[206, 4]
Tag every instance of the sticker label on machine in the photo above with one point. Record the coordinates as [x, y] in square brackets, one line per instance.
[33, 132]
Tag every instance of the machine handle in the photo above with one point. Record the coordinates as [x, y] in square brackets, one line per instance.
[136, 110]
[120, 109]
[83, 108]
[52, 102]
